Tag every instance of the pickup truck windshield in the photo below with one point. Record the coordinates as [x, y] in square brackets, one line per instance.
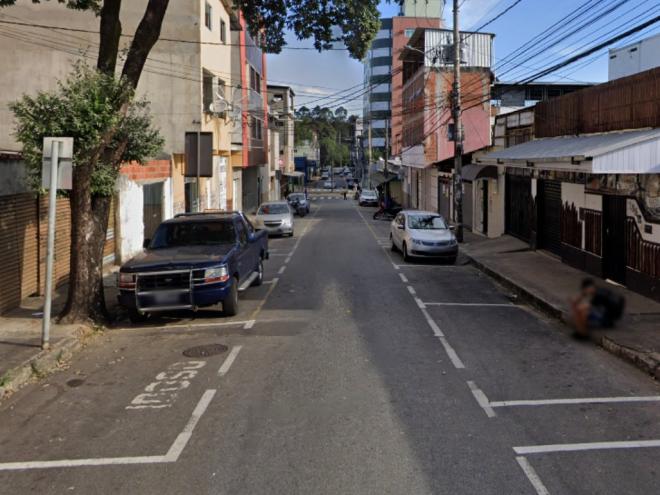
[194, 234]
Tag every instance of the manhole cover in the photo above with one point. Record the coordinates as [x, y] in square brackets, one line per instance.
[205, 350]
[75, 382]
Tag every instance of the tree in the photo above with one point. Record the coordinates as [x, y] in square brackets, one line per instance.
[358, 22]
[341, 114]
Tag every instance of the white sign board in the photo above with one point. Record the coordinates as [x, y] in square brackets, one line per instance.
[65, 162]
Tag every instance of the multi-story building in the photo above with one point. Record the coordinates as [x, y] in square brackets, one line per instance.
[249, 139]
[282, 118]
[203, 84]
[383, 71]
[427, 132]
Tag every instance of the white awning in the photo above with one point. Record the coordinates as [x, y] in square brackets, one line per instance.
[414, 157]
[625, 152]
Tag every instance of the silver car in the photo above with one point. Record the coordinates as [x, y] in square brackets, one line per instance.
[423, 234]
[276, 217]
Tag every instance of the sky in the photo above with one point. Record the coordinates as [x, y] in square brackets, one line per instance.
[313, 74]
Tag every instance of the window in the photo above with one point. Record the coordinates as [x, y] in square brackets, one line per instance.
[256, 128]
[207, 90]
[255, 80]
[408, 32]
[223, 31]
[208, 12]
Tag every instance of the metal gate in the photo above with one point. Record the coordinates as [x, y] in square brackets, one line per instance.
[467, 204]
[614, 238]
[549, 215]
[518, 193]
[152, 208]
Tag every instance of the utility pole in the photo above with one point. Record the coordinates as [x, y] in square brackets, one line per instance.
[458, 131]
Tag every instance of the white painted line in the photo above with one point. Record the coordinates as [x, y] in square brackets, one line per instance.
[533, 478]
[456, 361]
[267, 282]
[281, 270]
[420, 304]
[506, 305]
[575, 447]
[396, 267]
[287, 260]
[434, 326]
[63, 463]
[411, 289]
[584, 400]
[404, 279]
[230, 360]
[183, 438]
[278, 254]
[482, 400]
[249, 324]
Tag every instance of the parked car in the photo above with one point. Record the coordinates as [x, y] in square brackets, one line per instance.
[325, 175]
[276, 217]
[349, 182]
[368, 198]
[423, 234]
[299, 203]
[194, 260]
[329, 184]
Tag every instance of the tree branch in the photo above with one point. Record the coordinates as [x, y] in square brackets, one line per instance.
[145, 38]
[110, 33]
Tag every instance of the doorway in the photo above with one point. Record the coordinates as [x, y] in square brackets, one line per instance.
[549, 215]
[614, 238]
[152, 213]
[484, 206]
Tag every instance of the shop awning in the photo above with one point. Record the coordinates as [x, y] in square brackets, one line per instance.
[470, 173]
[625, 152]
[294, 174]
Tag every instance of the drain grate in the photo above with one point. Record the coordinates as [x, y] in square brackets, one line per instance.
[205, 350]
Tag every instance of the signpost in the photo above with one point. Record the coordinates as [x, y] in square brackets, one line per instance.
[56, 172]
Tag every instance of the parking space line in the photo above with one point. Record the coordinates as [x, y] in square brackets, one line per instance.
[404, 279]
[249, 324]
[583, 400]
[533, 478]
[281, 270]
[288, 259]
[411, 289]
[456, 361]
[576, 447]
[267, 282]
[183, 437]
[482, 400]
[230, 360]
[502, 305]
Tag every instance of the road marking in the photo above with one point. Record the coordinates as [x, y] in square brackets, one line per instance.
[230, 360]
[404, 279]
[184, 325]
[250, 324]
[456, 361]
[165, 389]
[417, 265]
[420, 304]
[506, 305]
[263, 301]
[267, 282]
[575, 447]
[182, 439]
[434, 326]
[287, 260]
[533, 478]
[281, 270]
[482, 400]
[584, 400]
[172, 454]
[411, 289]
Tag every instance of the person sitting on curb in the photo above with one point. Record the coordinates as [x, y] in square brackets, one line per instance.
[595, 307]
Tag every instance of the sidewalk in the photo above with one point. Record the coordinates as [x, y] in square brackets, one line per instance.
[21, 356]
[548, 284]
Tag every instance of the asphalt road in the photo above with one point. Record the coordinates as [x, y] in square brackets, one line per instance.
[348, 372]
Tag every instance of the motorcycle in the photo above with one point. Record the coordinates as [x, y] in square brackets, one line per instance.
[387, 213]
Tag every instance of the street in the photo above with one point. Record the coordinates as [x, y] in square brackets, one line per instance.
[348, 371]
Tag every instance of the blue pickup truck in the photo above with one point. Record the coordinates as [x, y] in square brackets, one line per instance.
[194, 260]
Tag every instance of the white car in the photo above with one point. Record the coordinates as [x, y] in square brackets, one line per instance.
[276, 217]
[329, 184]
[368, 198]
[423, 234]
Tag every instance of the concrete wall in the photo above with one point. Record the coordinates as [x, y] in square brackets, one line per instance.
[130, 226]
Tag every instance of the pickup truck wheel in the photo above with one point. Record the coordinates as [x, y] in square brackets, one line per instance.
[260, 274]
[230, 305]
[136, 317]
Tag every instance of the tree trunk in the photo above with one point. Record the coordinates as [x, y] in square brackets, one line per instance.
[110, 30]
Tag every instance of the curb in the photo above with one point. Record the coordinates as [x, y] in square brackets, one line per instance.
[44, 363]
[648, 362]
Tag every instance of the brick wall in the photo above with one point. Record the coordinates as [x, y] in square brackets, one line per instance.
[154, 169]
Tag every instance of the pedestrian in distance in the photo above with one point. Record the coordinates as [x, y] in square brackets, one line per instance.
[345, 194]
[595, 307]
